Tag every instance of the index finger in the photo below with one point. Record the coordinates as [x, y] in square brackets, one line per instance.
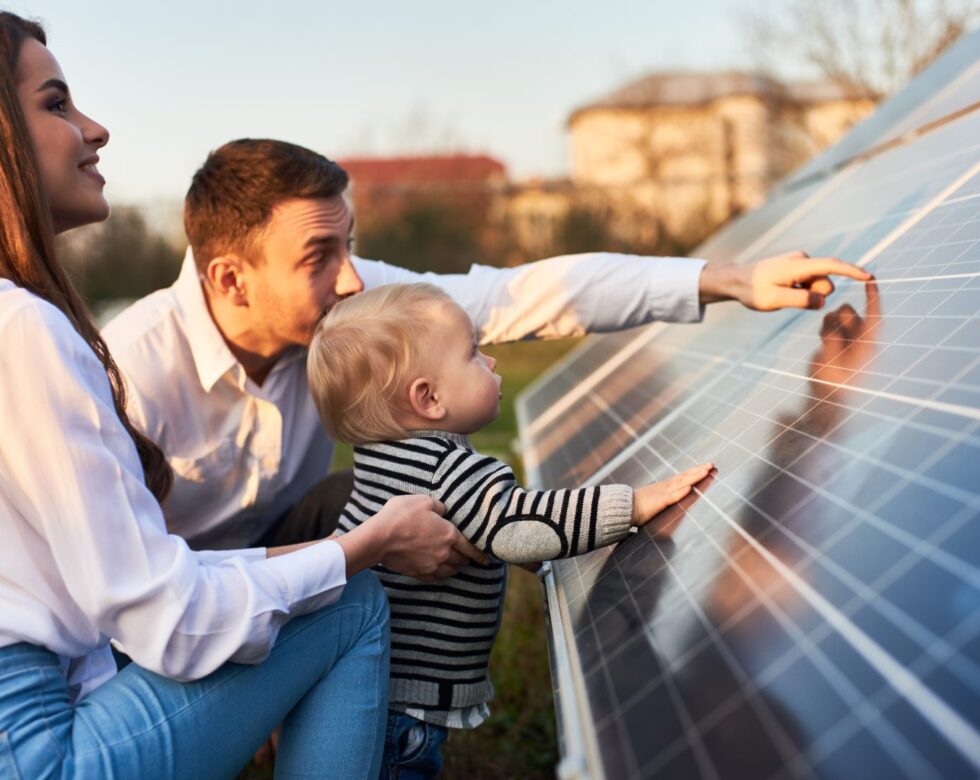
[873, 300]
[462, 545]
[825, 266]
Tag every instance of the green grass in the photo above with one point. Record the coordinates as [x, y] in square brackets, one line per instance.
[518, 741]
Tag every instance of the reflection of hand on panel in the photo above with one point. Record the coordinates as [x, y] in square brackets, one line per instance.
[791, 466]
[848, 341]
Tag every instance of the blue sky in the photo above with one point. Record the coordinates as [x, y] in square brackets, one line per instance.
[173, 80]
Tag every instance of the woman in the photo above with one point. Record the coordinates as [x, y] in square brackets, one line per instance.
[85, 555]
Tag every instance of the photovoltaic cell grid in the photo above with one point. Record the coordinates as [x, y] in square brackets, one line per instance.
[817, 611]
[609, 406]
[596, 350]
[843, 518]
[539, 399]
[835, 218]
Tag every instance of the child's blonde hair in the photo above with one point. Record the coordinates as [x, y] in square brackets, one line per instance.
[361, 355]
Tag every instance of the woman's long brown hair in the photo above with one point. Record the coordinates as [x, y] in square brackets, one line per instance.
[27, 256]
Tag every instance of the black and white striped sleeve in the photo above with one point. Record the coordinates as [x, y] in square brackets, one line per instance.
[485, 502]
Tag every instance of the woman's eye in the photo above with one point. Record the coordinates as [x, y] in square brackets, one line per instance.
[58, 106]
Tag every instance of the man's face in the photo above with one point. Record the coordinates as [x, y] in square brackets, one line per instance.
[304, 269]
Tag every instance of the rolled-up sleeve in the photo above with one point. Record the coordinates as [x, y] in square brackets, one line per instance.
[564, 296]
[74, 475]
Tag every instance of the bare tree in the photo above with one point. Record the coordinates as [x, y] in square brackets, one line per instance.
[419, 131]
[873, 46]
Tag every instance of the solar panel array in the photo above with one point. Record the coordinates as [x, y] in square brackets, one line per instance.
[817, 610]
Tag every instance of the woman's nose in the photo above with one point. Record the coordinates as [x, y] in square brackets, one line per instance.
[94, 133]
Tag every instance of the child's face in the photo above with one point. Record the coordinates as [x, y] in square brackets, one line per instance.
[465, 380]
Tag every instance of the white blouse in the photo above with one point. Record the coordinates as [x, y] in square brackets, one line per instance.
[85, 554]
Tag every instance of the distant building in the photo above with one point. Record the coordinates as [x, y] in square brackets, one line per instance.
[678, 153]
[656, 166]
[383, 186]
[433, 212]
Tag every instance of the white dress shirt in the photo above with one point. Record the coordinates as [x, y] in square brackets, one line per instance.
[85, 553]
[243, 454]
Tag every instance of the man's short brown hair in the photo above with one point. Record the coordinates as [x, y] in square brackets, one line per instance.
[232, 195]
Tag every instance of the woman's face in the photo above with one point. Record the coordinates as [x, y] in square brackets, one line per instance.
[65, 140]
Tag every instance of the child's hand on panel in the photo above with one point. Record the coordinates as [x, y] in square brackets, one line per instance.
[650, 500]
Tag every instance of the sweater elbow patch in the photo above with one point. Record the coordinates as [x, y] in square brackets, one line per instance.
[527, 539]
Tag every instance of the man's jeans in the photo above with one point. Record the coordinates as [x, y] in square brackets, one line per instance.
[325, 681]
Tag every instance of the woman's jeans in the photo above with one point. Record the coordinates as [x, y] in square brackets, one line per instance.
[325, 681]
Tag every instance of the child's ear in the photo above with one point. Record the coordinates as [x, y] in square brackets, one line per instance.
[425, 400]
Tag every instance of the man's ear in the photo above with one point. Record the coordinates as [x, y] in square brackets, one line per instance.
[224, 276]
[425, 400]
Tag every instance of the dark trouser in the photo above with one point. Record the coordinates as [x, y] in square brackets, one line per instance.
[315, 515]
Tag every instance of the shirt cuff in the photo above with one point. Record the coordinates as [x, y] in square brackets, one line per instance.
[678, 300]
[214, 557]
[315, 576]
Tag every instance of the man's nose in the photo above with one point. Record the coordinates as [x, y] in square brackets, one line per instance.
[348, 281]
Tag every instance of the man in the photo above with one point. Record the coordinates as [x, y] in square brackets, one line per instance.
[216, 363]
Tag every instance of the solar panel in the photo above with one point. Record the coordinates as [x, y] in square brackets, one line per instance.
[613, 402]
[817, 611]
[947, 87]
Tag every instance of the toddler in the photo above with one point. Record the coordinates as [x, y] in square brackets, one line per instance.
[397, 371]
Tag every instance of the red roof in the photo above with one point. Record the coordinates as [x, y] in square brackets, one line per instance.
[432, 169]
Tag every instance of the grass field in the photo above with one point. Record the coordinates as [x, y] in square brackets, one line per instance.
[518, 741]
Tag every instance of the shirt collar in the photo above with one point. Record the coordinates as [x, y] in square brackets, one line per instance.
[212, 358]
[456, 438]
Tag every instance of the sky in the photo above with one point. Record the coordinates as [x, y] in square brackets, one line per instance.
[174, 80]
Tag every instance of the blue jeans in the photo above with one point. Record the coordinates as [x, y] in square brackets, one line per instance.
[325, 681]
[412, 748]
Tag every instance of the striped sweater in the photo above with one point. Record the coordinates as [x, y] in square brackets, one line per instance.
[442, 632]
